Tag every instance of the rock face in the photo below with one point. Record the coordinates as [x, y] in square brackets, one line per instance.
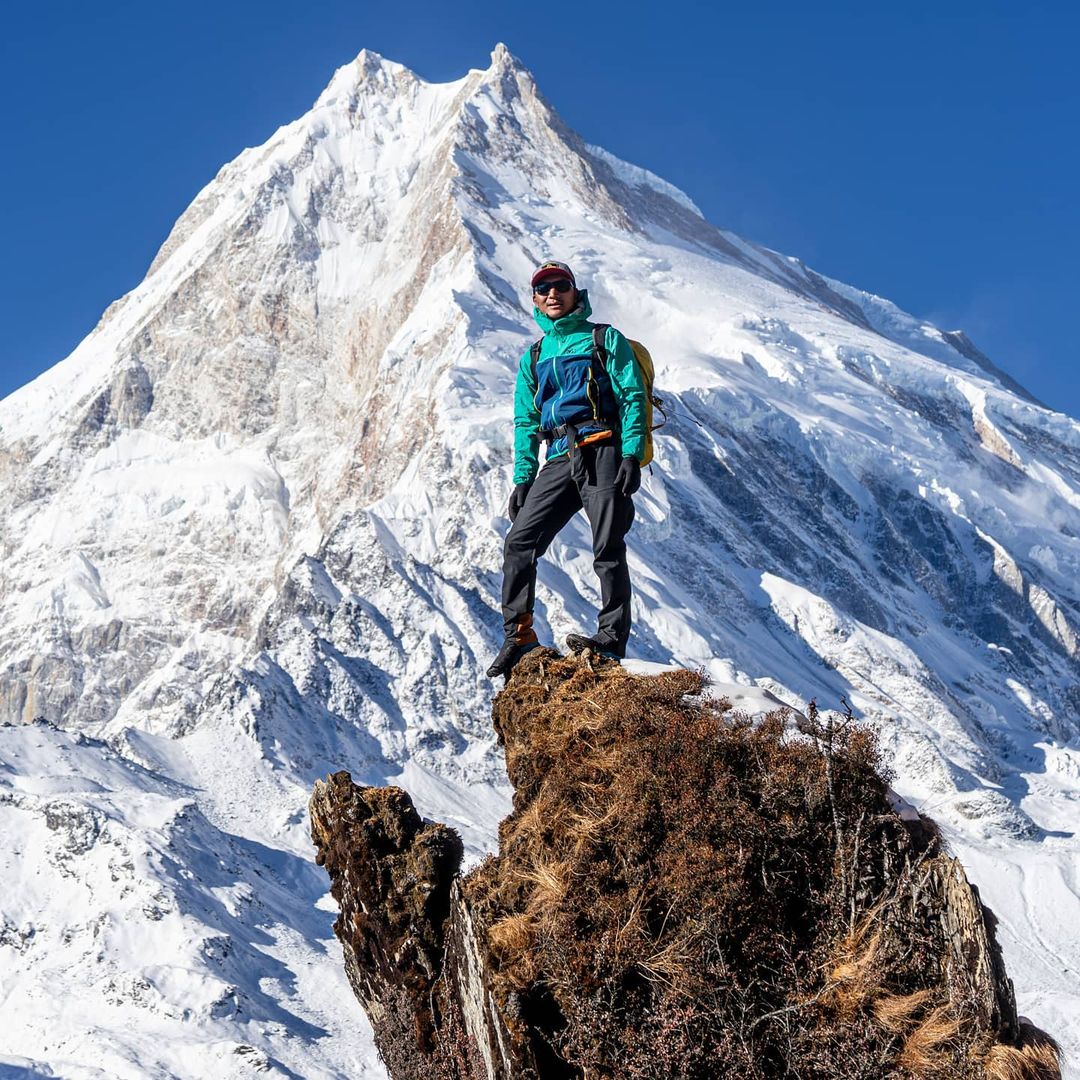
[412, 952]
[392, 877]
[679, 892]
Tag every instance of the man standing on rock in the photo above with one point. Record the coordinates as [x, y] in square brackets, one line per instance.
[580, 390]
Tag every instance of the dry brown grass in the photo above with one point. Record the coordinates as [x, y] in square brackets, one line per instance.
[1036, 1058]
[550, 882]
[928, 1050]
[897, 1012]
[512, 940]
[513, 935]
[527, 827]
[855, 977]
[670, 965]
[683, 894]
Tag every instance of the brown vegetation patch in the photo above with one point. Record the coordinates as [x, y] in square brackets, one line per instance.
[683, 893]
[1035, 1058]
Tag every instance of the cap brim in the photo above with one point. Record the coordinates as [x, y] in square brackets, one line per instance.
[552, 272]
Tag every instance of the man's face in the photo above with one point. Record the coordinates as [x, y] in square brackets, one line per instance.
[555, 296]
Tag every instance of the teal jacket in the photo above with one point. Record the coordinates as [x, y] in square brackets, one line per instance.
[563, 390]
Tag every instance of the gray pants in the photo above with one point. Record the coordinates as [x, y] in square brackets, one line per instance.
[585, 478]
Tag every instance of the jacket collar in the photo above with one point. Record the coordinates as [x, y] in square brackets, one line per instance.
[571, 321]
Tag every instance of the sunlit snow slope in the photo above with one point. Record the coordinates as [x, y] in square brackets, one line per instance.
[250, 532]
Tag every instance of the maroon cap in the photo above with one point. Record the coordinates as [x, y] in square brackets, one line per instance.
[553, 269]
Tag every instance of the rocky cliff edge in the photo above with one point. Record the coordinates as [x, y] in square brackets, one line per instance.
[680, 891]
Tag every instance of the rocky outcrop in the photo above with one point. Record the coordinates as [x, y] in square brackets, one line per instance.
[414, 955]
[680, 891]
[392, 877]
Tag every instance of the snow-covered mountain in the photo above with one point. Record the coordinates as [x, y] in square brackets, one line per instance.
[250, 531]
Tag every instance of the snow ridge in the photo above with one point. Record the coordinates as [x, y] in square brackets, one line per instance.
[636, 176]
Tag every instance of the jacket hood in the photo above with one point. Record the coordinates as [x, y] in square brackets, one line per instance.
[568, 323]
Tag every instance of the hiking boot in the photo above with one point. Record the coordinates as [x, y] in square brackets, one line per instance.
[510, 653]
[577, 643]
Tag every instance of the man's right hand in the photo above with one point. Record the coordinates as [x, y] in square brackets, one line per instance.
[517, 499]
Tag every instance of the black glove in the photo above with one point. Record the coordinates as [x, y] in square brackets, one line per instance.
[628, 478]
[517, 499]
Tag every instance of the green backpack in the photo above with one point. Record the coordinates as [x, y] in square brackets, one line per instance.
[653, 403]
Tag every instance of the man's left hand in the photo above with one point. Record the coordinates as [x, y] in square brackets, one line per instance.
[628, 478]
[517, 499]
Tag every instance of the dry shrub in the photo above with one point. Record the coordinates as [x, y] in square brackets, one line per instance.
[682, 893]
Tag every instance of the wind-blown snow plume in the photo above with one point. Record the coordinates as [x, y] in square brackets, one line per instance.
[251, 532]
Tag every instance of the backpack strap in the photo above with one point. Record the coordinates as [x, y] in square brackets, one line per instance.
[600, 357]
[599, 349]
[599, 360]
[534, 355]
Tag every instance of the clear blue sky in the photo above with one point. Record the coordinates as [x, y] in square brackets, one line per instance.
[927, 152]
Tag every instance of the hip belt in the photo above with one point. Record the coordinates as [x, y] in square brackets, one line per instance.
[577, 465]
[570, 431]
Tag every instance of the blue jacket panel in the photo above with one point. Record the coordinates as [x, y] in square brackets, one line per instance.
[571, 389]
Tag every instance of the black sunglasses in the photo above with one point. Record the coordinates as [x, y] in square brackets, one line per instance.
[561, 285]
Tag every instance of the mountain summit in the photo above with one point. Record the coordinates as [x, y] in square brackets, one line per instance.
[251, 531]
